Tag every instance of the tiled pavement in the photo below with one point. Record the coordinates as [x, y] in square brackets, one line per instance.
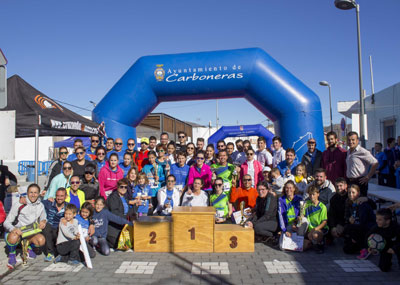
[265, 266]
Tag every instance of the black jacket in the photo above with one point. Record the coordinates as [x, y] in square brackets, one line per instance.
[311, 167]
[336, 210]
[263, 211]
[91, 189]
[115, 206]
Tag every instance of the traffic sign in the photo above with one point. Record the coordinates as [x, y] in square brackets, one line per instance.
[343, 124]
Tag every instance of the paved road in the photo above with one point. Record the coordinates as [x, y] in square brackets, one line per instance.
[265, 266]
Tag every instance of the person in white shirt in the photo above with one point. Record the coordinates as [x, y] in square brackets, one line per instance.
[195, 197]
[279, 152]
[168, 197]
[262, 154]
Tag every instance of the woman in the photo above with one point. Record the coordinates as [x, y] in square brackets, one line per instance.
[251, 167]
[131, 176]
[171, 152]
[119, 206]
[168, 197]
[80, 163]
[109, 176]
[289, 210]
[162, 159]
[191, 154]
[180, 170]
[127, 164]
[210, 155]
[220, 201]
[263, 220]
[60, 180]
[89, 184]
[359, 219]
[200, 170]
[195, 196]
[155, 176]
[100, 158]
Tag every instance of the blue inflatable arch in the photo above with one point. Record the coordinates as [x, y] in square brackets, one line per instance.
[241, 131]
[245, 73]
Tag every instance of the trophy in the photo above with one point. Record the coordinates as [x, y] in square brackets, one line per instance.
[302, 212]
[25, 245]
[242, 221]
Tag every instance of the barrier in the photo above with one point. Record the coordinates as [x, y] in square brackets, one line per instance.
[43, 167]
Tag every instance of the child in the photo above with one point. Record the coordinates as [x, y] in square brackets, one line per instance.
[68, 237]
[266, 173]
[220, 201]
[390, 231]
[300, 178]
[359, 219]
[316, 214]
[101, 217]
[155, 176]
[277, 181]
[84, 220]
[143, 193]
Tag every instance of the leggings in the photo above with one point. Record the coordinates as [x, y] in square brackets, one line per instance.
[101, 245]
[265, 228]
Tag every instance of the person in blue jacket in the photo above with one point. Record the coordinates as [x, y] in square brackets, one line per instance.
[155, 176]
[288, 166]
[181, 171]
[101, 217]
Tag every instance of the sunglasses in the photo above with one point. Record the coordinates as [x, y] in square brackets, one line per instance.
[246, 179]
[161, 150]
[220, 146]
[248, 154]
[190, 148]
[181, 137]
[171, 181]
[118, 143]
[63, 152]
[95, 141]
[79, 153]
[218, 184]
[200, 158]
[67, 168]
[74, 182]
[88, 172]
[131, 144]
[101, 153]
[123, 187]
[144, 143]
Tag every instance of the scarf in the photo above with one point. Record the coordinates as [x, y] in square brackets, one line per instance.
[298, 179]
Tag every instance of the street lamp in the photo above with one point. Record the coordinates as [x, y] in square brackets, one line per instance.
[347, 5]
[325, 83]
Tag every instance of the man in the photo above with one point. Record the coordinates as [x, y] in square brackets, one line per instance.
[164, 139]
[74, 195]
[181, 146]
[245, 193]
[80, 162]
[142, 157]
[109, 144]
[312, 158]
[334, 158]
[288, 166]
[72, 156]
[224, 170]
[55, 212]
[89, 184]
[360, 163]
[238, 157]
[199, 144]
[23, 215]
[221, 145]
[57, 165]
[131, 149]
[152, 143]
[326, 188]
[117, 149]
[336, 212]
[279, 153]
[230, 147]
[383, 168]
[392, 156]
[180, 170]
[94, 143]
[262, 154]
[246, 145]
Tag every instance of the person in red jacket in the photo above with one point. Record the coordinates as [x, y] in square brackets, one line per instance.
[142, 157]
[109, 176]
[201, 170]
[251, 167]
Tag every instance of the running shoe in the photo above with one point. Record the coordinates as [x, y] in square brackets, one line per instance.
[57, 259]
[31, 254]
[364, 254]
[12, 260]
[49, 258]
[73, 262]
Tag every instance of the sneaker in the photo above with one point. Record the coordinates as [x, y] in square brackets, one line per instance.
[57, 259]
[12, 260]
[31, 254]
[49, 258]
[364, 254]
[73, 262]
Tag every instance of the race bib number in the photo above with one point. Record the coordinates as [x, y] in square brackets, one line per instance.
[153, 183]
[227, 186]
[179, 187]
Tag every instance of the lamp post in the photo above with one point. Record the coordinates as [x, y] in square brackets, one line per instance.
[325, 83]
[347, 5]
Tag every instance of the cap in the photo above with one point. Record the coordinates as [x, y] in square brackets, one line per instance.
[312, 140]
[90, 168]
[266, 168]
[144, 140]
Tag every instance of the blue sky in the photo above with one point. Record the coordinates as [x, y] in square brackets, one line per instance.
[75, 51]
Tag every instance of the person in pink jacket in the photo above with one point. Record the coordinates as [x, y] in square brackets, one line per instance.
[251, 167]
[200, 170]
[109, 176]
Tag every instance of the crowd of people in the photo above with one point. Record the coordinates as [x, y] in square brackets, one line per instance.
[321, 196]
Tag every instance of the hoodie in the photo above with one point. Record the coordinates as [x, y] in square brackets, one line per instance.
[108, 179]
[32, 212]
[101, 220]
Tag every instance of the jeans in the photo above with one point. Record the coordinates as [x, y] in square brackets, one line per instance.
[101, 245]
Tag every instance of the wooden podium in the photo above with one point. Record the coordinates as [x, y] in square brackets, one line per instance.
[233, 238]
[152, 234]
[193, 229]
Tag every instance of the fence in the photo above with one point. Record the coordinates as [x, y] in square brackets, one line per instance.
[43, 166]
